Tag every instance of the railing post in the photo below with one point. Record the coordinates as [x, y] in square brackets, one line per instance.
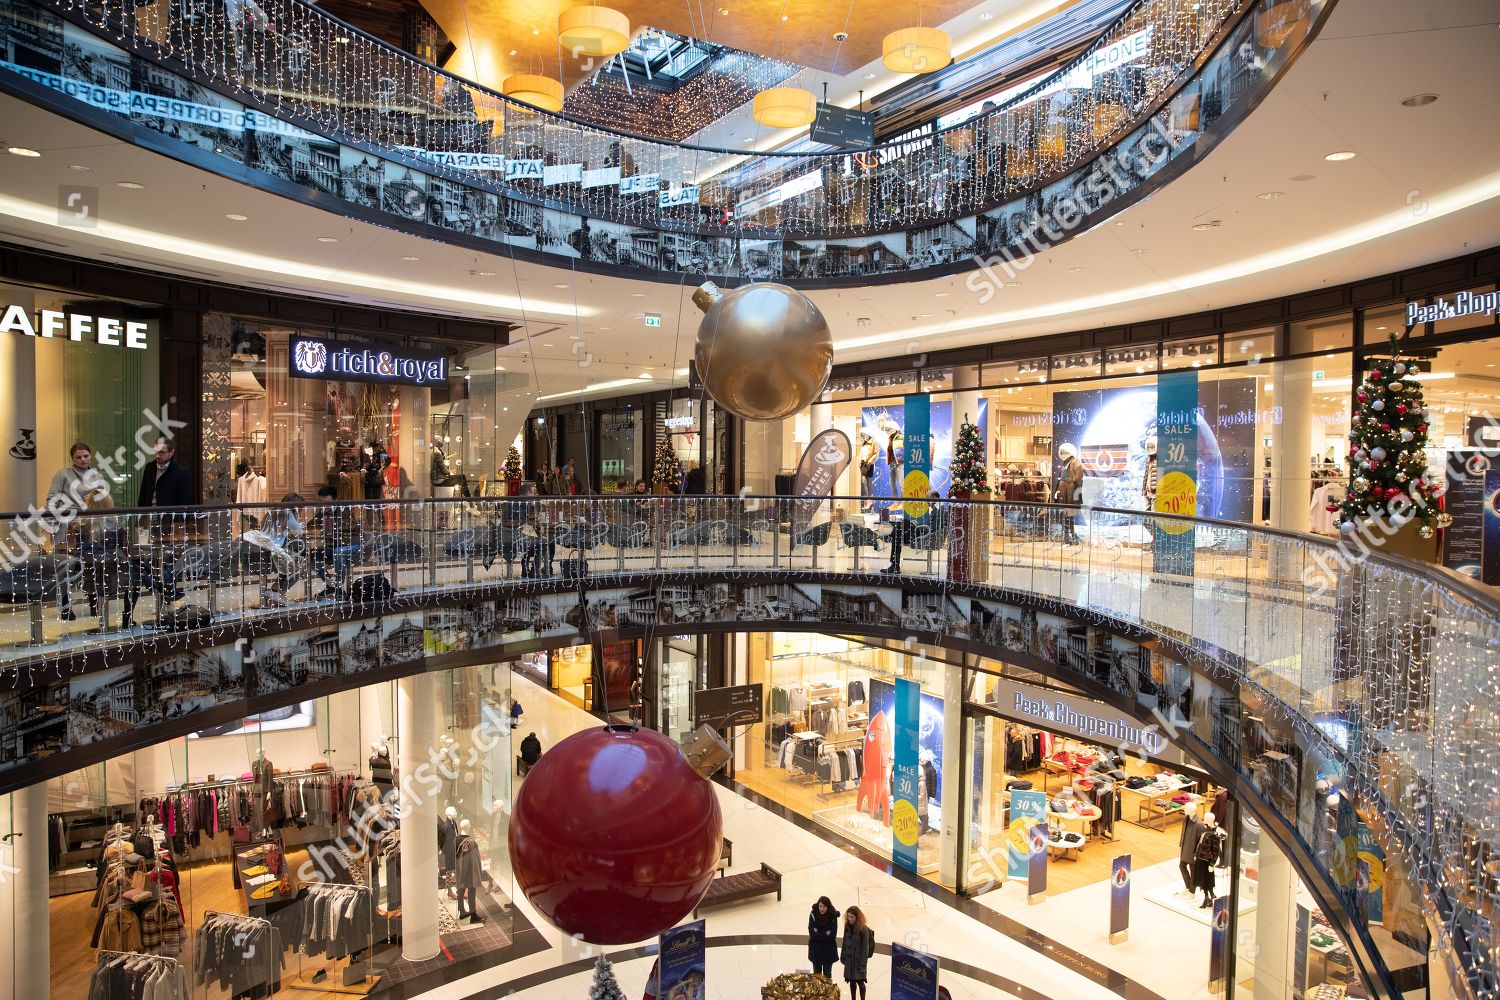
[432, 543]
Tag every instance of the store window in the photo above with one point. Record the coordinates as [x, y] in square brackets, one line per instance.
[1190, 353]
[1321, 335]
[1135, 360]
[95, 387]
[429, 430]
[1078, 364]
[1383, 320]
[1014, 372]
[1250, 346]
[621, 433]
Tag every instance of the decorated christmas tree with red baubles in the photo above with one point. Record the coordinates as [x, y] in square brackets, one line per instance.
[512, 468]
[968, 461]
[666, 470]
[1388, 482]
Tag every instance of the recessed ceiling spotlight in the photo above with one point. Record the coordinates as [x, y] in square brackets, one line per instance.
[1303, 177]
[79, 168]
[328, 239]
[784, 18]
[411, 258]
[942, 295]
[924, 316]
[1139, 251]
[1270, 195]
[560, 284]
[546, 345]
[1419, 100]
[637, 295]
[1204, 227]
[986, 16]
[482, 274]
[515, 52]
[1075, 270]
[724, 10]
[869, 76]
[536, 31]
[235, 217]
[1341, 156]
[646, 375]
[21, 151]
[1012, 284]
[130, 185]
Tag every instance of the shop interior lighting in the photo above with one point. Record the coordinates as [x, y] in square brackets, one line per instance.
[22, 151]
[1341, 156]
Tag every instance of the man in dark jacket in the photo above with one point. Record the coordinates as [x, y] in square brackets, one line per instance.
[531, 749]
[695, 483]
[1069, 490]
[165, 483]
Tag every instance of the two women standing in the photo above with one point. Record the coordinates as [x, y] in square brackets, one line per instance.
[823, 945]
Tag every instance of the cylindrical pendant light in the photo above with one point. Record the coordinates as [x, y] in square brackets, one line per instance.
[785, 107]
[593, 31]
[916, 50]
[538, 91]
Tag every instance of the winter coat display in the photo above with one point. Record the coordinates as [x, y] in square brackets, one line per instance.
[822, 937]
[469, 868]
[855, 953]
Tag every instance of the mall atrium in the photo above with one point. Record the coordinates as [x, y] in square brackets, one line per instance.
[774, 501]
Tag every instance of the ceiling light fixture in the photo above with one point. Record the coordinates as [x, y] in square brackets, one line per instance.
[1341, 156]
[328, 239]
[870, 76]
[1419, 100]
[21, 151]
[1270, 195]
[1204, 227]
[130, 185]
[593, 31]
[1139, 251]
[411, 258]
[1075, 270]
[916, 50]
[79, 168]
[942, 295]
[1012, 284]
[785, 107]
[986, 16]
[235, 217]
[538, 91]
[560, 284]
[482, 274]
[637, 295]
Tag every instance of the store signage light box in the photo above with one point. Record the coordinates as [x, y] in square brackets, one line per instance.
[51, 324]
[1462, 304]
[332, 361]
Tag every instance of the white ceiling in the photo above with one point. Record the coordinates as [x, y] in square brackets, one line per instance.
[1425, 186]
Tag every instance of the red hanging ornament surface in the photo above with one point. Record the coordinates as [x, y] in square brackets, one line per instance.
[1385, 428]
[1401, 409]
[614, 836]
[1364, 397]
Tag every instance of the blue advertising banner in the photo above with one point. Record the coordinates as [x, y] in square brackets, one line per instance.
[914, 976]
[1218, 940]
[1027, 809]
[681, 965]
[905, 824]
[1372, 858]
[916, 479]
[1177, 459]
[1036, 865]
[1490, 543]
[1119, 896]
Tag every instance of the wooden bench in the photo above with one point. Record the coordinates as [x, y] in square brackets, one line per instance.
[746, 885]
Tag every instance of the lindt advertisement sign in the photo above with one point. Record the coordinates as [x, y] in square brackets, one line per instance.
[332, 361]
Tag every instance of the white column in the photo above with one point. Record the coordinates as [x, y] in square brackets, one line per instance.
[24, 894]
[1275, 923]
[952, 801]
[18, 421]
[1291, 453]
[416, 713]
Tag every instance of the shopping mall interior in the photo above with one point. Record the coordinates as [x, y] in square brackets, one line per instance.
[985, 499]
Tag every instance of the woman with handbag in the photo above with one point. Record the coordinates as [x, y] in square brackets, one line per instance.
[856, 951]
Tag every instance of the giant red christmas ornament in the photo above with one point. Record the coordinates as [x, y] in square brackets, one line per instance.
[615, 836]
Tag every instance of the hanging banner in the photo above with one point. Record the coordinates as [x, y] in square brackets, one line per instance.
[1177, 456]
[1372, 860]
[1119, 899]
[1490, 544]
[827, 456]
[1217, 941]
[601, 177]
[1027, 809]
[905, 826]
[562, 173]
[916, 478]
[525, 170]
[640, 183]
[681, 966]
[914, 976]
[1299, 952]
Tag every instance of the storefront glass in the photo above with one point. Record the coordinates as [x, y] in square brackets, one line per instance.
[78, 369]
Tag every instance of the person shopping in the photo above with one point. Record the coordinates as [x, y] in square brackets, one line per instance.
[822, 937]
[856, 951]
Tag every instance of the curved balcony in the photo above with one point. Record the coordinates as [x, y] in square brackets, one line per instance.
[326, 113]
[1381, 672]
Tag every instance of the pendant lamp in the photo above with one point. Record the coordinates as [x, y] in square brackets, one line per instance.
[916, 50]
[785, 107]
[539, 91]
[593, 31]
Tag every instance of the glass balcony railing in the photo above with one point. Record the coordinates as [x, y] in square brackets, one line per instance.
[1381, 674]
[283, 88]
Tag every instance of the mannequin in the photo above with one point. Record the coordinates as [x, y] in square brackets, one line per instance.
[468, 874]
[381, 772]
[1152, 476]
[1208, 853]
[1192, 829]
[1069, 490]
[447, 840]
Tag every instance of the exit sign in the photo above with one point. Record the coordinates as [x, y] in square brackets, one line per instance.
[653, 319]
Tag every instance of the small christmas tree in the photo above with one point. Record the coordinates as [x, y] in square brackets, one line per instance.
[604, 986]
[666, 469]
[969, 476]
[1387, 452]
[512, 467]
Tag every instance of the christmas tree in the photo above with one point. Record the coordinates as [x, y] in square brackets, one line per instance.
[604, 986]
[512, 467]
[968, 461]
[666, 469]
[1387, 453]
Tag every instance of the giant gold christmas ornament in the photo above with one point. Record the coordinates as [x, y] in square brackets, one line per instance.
[764, 350]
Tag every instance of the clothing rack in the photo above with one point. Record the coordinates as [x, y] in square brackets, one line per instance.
[248, 965]
[165, 977]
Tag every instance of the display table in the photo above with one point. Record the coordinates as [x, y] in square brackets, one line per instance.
[1067, 762]
[1065, 846]
[1156, 813]
[1159, 789]
[261, 887]
[1079, 816]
